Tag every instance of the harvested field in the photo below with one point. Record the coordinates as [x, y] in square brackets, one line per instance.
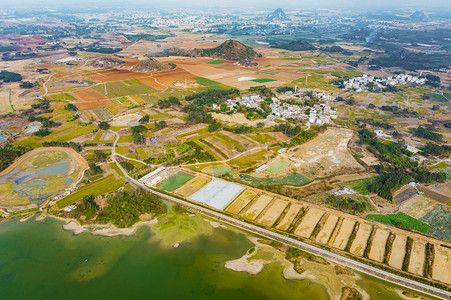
[289, 217]
[377, 250]
[328, 228]
[398, 251]
[221, 147]
[327, 154]
[192, 186]
[417, 257]
[309, 222]
[442, 264]
[341, 240]
[361, 239]
[273, 212]
[240, 202]
[257, 207]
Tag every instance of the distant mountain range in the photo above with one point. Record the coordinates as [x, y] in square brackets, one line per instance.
[277, 15]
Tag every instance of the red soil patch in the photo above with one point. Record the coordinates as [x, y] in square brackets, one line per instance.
[152, 83]
[88, 95]
[168, 77]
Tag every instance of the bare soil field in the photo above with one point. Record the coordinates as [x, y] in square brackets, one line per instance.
[341, 240]
[417, 257]
[441, 269]
[116, 75]
[327, 154]
[237, 118]
[257, 207]
[361, 239]
[398, 251]
[377, 250]
[279, 136]
[273, 212]
[309, 222]
[124, 120]
[289, 217]
[241, 201]
[328, 228]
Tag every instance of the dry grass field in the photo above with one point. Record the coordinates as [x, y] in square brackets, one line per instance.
[309, 222]
[257, 207]
[272, 213]
[289, 216]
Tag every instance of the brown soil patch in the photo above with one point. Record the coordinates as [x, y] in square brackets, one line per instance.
[93, 104]
[88, 95]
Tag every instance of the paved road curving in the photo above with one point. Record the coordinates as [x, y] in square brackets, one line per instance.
[333, 257]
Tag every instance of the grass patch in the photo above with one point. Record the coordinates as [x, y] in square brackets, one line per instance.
[247, 161]
[358, 185]
[262, 138]
[107, 184]
[160, 116]
[116, 169]
[63, 96]
[263, 80]
[440, 165]
[437, 97]
[175, 181]
[215, 62]
[205, 82]
[141, 153]
[401, 220]
[228, 139]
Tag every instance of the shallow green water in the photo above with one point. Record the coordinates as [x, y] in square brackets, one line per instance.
[40, 260]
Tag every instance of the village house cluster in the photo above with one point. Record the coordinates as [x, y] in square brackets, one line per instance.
[319, 114]
[363, 82]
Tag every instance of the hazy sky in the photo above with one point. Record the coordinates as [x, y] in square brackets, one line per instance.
[263, 4]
